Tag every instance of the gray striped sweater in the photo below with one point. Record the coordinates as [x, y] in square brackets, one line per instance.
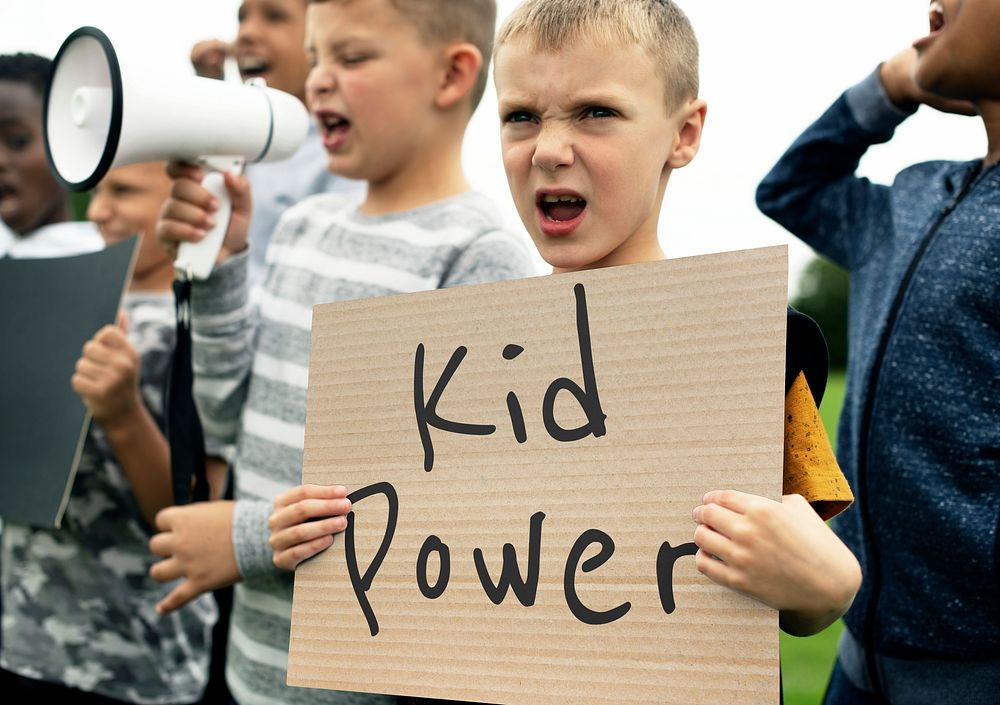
[251, 363]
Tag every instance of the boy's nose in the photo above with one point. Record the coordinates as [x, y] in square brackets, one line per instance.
[553, 149]
[319, 82]
[248, 31]
[98, 210]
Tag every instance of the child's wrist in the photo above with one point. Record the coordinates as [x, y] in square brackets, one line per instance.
[120, 425]
[896, 83]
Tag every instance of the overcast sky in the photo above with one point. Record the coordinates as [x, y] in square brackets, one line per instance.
[768, 67]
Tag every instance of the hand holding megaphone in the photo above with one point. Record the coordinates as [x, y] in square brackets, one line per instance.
[100, 114]
[194, 211]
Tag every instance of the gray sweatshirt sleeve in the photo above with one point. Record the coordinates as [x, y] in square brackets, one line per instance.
[251, 536]
[222, 331]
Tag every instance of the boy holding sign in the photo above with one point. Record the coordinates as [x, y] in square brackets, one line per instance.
[392, 88]
[588, 150]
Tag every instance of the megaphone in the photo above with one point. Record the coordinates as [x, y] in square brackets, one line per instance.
[98, 116]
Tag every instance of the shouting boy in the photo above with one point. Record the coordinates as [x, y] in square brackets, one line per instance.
[920, 428]
[392, 88]
[270, 45]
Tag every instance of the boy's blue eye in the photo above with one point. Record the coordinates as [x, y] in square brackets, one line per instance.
[598, 111]
[518, 116]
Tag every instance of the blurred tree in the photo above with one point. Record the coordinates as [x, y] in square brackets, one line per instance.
[80, 202]
[822, 294]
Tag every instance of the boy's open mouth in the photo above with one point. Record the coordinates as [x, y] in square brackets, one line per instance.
[7, 193]
[936, 16]
[252, 66]
[333, 124]
[561, 208]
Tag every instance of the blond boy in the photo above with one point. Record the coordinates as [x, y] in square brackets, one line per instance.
[598, 103]
[393, 85]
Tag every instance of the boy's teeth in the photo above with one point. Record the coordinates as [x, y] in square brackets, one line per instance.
[251, 64]
[560, 199]
[936, 14]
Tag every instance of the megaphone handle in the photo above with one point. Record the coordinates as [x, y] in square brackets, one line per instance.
[196, 259]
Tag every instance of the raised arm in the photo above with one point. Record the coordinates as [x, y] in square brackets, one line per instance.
[107, 379]
[813, 191]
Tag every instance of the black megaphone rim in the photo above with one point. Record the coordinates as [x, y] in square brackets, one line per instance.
[114, 130]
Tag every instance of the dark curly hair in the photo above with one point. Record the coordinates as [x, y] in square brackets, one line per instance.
[26, 68]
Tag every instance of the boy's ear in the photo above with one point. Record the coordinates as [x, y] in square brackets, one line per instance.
[463, 62]
[690, 122]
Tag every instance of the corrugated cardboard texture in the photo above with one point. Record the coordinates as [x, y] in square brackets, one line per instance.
[688, 363]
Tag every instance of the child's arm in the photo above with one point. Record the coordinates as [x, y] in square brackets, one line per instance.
[107, 379]
[780, 553]
[304, 521]
[222, 321]
[812, 190]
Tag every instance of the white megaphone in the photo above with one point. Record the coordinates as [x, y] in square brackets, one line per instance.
[97, 117]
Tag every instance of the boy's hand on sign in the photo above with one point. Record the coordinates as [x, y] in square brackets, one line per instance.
[781, 553]
[107, 376]
[188, 214]
[208, 57]
[896, 75]
[304, 521]
[196, 543]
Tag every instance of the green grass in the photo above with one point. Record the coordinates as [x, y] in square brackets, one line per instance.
[806, 662]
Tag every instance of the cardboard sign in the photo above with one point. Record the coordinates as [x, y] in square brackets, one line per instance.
[523, 459]
[48, 309]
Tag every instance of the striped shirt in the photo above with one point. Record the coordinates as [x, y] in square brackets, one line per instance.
[251, 366]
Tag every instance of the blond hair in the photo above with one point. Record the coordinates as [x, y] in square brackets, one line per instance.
[444, 21]
[659, 27]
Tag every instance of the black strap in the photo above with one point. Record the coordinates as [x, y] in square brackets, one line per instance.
[806, 351]
[184, 434]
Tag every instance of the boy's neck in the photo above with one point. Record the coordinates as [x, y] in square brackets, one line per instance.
[159, 279]
[433, 175]
[989, 111]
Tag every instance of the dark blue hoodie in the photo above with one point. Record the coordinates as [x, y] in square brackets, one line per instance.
[919, 437]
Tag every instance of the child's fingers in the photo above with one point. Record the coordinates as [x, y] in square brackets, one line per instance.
[714, 569]
[739, 502]
[290, 558]
[89, 370]
[239, 191]
[304, 533]
[112, 337]
[83, 386]
[719, 518]
[185, 170]
[178, 597]
[712, 542]
[301, 492]
[96, 351]
[170, 233]
[166, 571]
[307, 509]
[161, 544]
[190, 203]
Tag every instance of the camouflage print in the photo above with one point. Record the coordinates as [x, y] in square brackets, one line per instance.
[78, 604]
